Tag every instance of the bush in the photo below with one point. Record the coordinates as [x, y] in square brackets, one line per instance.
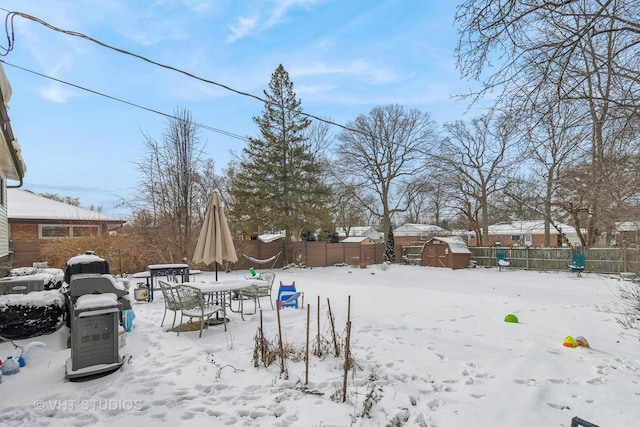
[31, 315]
[124, 253]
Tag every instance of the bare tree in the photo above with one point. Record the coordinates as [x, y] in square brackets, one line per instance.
[620, 196]
[556, 138]
[350, 211]
[380, 152]
[583, 52]
[168, 188]
[73, 201]
[476, 160]
[514, 36]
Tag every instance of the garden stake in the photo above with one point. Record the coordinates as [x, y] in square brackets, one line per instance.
[318, 351]
[306, 355]
[346, 363]
[333, 330]
[280, 344]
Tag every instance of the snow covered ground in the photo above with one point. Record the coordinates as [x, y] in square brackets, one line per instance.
[429, 347]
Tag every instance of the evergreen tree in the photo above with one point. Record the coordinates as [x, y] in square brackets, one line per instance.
[278, 185]
[390, 248]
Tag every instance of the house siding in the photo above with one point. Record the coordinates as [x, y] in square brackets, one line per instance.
[4, 222]
[537, 240]
[27, 244]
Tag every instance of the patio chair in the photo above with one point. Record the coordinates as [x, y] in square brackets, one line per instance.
[255, 292]
[194, 306]
[577, 263]
[171, 301]
[501, 260]
[289, 296]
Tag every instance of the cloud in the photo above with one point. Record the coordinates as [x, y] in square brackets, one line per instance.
[55, 93]
[264, 16]
[243, 27]
[281, 7]
[358, 68]
[314, 89]
[198, 6]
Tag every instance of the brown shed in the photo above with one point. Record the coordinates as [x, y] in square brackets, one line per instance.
[448, 252]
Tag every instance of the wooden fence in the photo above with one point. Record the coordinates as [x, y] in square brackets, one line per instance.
[311, 254]
[322, 254]
[597, 260]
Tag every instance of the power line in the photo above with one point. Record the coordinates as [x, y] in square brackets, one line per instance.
[11, 44]
[223, 132]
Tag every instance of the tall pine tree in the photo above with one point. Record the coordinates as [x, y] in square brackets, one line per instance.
[278, 185]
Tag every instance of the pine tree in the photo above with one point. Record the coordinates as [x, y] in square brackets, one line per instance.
[278, 185]
[390, 248]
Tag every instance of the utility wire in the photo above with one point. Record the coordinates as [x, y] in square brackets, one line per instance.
[11, 14]
[223, 132]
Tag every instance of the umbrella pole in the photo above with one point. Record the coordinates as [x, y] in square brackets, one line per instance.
[216, 271]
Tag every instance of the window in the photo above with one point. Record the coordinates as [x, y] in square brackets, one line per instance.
[515, 238]
[84, 230]
[49, 231]
[54, 231]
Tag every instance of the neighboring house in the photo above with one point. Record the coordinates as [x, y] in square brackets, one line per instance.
[35, 220]
[12, 167]
[369, 232]
[528, 233]
[411, 233]
[627, 234]
[363, 240]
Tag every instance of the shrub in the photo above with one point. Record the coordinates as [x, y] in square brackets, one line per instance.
[31, 315]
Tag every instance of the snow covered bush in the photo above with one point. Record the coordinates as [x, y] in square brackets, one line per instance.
[34, 314]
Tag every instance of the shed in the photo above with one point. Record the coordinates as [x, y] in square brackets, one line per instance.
[448, 252]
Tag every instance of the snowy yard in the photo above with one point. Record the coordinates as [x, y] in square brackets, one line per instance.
[430, 347]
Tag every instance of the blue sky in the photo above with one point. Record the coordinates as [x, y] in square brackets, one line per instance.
[344, 58]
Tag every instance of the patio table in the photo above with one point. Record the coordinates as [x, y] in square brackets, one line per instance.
[155, 270]
[222, 289]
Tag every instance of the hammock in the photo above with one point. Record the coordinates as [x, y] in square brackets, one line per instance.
[264, 261]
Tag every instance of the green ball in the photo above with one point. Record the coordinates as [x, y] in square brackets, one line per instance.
[511, 318]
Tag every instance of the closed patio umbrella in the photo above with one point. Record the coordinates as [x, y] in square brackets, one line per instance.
[215, 243]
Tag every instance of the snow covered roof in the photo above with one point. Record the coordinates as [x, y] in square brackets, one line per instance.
[527, 227]
[360, 231]
[267, 238]
[357, 239]
[456, 245]
[627, 226]
[23, 204]
[417, 229]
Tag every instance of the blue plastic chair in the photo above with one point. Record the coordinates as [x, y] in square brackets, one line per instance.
[289, 296]
[577, 263]
[501, 260]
